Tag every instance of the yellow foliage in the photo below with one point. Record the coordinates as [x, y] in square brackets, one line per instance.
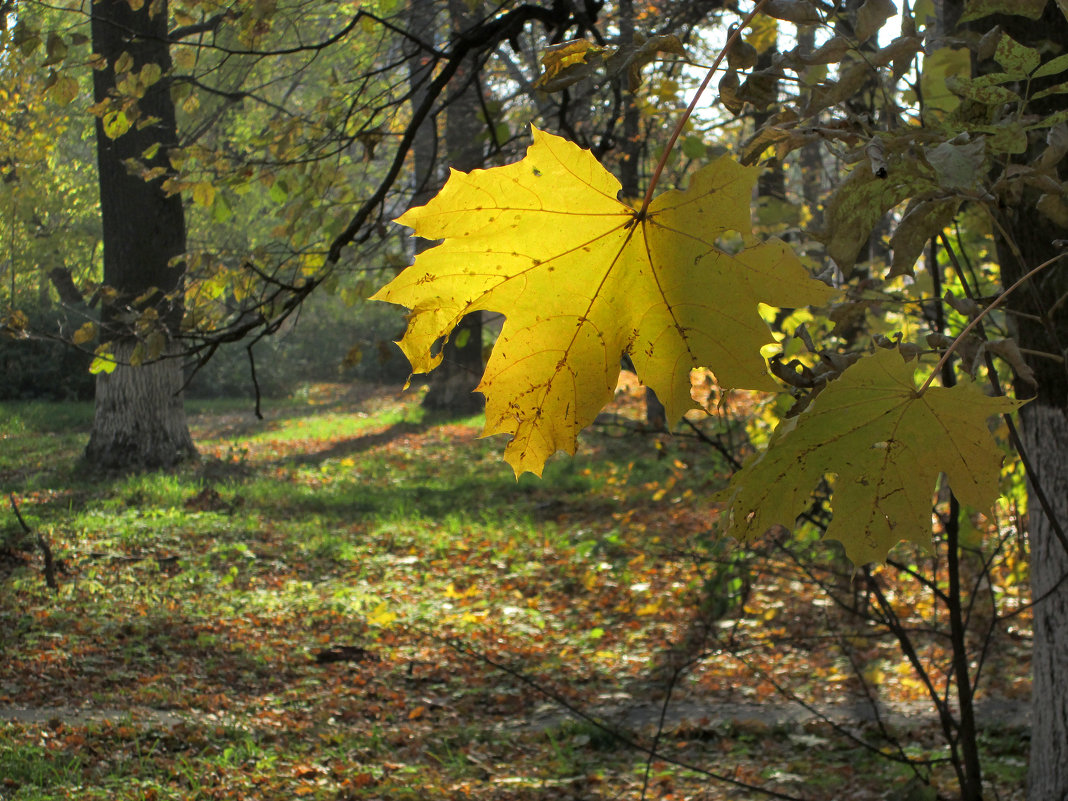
[203, 194]
[582, 278]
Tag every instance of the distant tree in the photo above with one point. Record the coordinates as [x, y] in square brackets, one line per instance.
[467, 132]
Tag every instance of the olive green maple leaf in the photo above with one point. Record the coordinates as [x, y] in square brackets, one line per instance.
[885, 443]
[582, 278]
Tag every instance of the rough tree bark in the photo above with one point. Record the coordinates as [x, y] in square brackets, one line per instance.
[1040, 322]
[1044, 429]
[1041, 327]
[140, 419]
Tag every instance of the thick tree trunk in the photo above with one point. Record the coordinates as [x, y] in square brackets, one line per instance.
[140, 419]
[1044, 430]
[1041, 327]
[453, 383]
[1040, 323]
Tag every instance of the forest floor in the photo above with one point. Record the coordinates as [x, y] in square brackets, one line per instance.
[353, 600]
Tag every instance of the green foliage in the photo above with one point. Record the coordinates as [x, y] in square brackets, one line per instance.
[36, 768]
[48, 191]
[45, 368]
[270, 181]
[329, 341]
[886, 444]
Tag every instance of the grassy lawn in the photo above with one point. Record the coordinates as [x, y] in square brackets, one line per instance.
[351, 600]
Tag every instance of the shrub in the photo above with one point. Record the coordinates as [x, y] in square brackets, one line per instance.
[41, 368]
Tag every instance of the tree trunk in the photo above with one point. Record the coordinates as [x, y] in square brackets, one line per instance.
[1040, 323]
[811, 157]
[1044, 429]
[630, 176]
[1044, 432]
[139, 420]
[421, 17]
[453, 383]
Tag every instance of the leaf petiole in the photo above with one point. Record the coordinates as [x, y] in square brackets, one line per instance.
[978, 318]
[731, 40]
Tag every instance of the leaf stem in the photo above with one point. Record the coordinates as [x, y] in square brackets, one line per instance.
[734, 37]
[1014, 435]
[979, 317]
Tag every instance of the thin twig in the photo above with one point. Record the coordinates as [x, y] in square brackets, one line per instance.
[42, 543]
[901, 757]
[967, 738]
[715, 443]
[593, 721]
[659, 730]
[949, 725]
[979, 317]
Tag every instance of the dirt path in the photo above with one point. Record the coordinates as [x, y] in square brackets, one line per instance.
[994, 714]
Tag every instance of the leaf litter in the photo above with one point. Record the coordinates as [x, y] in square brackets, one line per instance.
[454, 598]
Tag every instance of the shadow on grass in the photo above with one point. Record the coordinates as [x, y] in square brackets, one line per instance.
[124, 659]
[350, 446]
[457, 495]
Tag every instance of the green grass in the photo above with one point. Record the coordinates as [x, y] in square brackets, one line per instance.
[32, 769]
[205, 594]
[41, 417]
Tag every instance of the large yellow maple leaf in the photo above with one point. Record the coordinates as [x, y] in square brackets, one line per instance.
[885, 442]
[582, 278]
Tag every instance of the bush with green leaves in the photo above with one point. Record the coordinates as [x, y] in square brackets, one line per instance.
[39, 367]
